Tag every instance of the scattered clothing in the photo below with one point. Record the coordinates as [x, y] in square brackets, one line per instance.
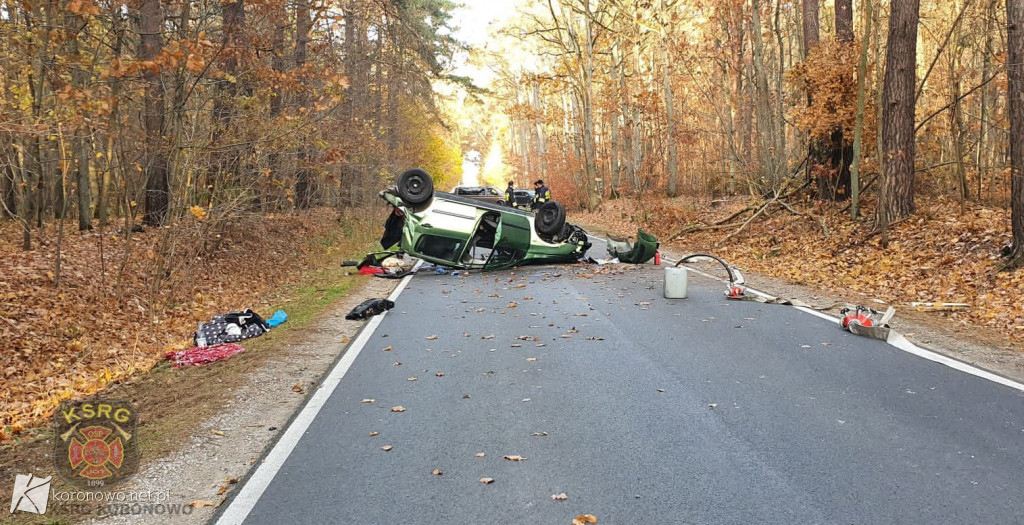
[370, 308]
[278, 318]
[230, 328]
[199, 356]
[370, 270]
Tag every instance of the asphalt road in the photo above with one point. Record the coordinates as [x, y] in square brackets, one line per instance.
[641, 410]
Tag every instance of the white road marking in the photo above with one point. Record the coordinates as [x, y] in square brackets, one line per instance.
[243, 503]
[896, 340]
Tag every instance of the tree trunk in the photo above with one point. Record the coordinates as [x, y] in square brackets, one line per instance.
[841, 153]
[986, 94]
[767, 139]
[592, 182]
[817, 155]
[858, 131]
[303, 179]
[81, 143]
[155, 167]
[812, 30]
[896, 191]
[844, 21]
[1015, 73]
[672, 167]
[8, 181]
[614, 120]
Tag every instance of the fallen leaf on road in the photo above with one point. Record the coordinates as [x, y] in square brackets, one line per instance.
[805, 346]
[539, 434]
[431, 338]
[344, 340]
[661, 390]
[439, 374]
[584, 519]
[560, 497]
[527, 298]
[374, 434]
[299, 387]
[222, 490]
[480, 454]
[368, 400]
[199, 503]
[232, 481]
[592, 338]
[487, 336]
[712, 405]
[437, 472]
[486, 481]
[396, 363]
[388, 348]
[515, 458]
[387, 448]
[526, 400]
[512, 304]
[217, 432]
[398, 408]
[531, 358]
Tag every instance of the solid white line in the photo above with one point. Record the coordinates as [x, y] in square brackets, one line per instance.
[897, 340]
[243, 503]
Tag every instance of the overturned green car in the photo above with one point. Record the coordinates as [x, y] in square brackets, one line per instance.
[459, 232]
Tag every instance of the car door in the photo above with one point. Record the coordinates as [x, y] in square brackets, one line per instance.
[511, 241]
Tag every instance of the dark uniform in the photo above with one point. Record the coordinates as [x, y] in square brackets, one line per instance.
[510, 195]
[541, 194]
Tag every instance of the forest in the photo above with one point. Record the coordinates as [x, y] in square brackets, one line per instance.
[142, 141]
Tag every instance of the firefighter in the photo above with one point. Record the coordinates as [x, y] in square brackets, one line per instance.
[541, 194]
[510, 195]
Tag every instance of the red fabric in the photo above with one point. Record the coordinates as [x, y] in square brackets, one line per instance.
[198, 356]
[370, 270]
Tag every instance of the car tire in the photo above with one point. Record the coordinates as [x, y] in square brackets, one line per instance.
[415, 187]
[550, 219]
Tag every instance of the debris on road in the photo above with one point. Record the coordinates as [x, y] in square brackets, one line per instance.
[645, 248]
[370, 308]
[867, 322]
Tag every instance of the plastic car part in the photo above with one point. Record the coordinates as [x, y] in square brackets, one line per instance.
[550, 218]
[415, 186]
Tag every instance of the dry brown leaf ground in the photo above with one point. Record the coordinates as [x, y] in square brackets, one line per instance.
[939, 254]
[96, 329]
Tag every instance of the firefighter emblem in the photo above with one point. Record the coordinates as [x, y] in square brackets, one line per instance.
[96, 447]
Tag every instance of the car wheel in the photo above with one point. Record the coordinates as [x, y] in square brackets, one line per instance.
[415, 186]
[550, 218]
